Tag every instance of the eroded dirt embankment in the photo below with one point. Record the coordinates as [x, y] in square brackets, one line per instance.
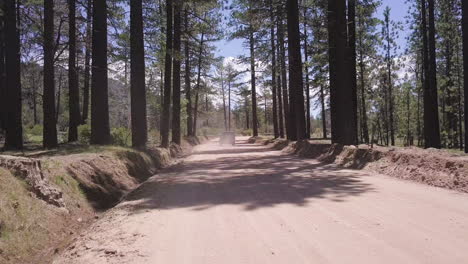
[438, 168]
[47, 198]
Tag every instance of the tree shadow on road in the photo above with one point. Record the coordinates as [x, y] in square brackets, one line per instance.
[250, 181]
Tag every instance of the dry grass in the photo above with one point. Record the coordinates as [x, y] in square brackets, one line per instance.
[23, 219]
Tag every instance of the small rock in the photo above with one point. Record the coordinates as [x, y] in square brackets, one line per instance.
[79, 220]
[110, 251]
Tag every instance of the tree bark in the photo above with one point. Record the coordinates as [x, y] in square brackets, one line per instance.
[176, 135]
[284, 80]
[197, 87]
[137, 76]
[3, 100]
[465, 65]
[352, 66]
[341, 95]
[389, 80]
[167, 78]
[50, 125]
[188, 94]
[87, 62]
[324, 111]
[100, 127]
[296, 82]
[306, 70]
[362, 81]
[73, 91]
[332, 42]
[281, 109]
[431, 108]
[276, 128]
[253, 83]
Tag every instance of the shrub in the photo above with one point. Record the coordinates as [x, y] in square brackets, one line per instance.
[247, 132]
[34, 134]
[84, 133]
[154, 137]
[121, 136]
[36, 130]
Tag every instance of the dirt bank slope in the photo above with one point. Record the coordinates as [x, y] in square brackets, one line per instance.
[438, 168]
[47, 197]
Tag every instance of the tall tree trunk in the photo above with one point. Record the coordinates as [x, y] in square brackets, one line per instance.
[352, 68]
[73, 91]
[306, 70]
[344, 130]
[459, 97]
[14, 128]
[59, 96]
[137, 76]
[324, 111]
[253, 83]
[284, 80]
[167, 77]
[188, 94]
[296, 83]
[3, 100]
[87, 69]
[197, 85]
[100, 127]
[229, 106]
[176, 135]
[50, 125]
[390, 82]
[431, 108]
[364, 123]
[223, 93]
[465, 66]
[332, 57]
[276, 128]
[195, 113]
[280, 95]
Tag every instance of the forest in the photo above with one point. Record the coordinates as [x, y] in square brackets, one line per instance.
[144, 72]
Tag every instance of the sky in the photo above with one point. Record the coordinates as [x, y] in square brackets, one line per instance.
[398, 12]
[232, 49]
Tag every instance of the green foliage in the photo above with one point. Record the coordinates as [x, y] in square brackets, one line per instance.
[34, 134]
[154, 136]
[84, 133]
[35, 130]
[246, 132]
[121, 136]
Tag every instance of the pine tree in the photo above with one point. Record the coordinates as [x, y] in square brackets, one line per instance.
[188, 86]
[176, 135]
[277, 126]
[284, 82]
[431, 106]
[50, 119]
[100, 127]
[3, 101]
[14, 129]
[137, 73]
[465, 65]
[167, 77]
[73, 91]
[295, 70]
[87, 69]
[344, 130]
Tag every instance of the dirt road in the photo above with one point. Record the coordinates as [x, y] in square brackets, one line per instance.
[248, 204]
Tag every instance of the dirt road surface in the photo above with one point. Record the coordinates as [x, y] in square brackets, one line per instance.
[249, 204]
